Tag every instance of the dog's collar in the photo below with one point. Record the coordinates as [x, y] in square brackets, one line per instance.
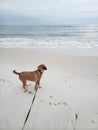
[40, 72]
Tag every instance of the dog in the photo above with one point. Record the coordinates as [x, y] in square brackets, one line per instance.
[34, 76]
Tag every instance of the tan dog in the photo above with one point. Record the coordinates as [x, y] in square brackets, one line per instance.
[34, 76]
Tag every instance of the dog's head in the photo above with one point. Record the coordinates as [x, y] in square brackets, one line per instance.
[42, 67]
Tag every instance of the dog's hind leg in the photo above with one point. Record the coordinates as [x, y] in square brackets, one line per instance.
[24, 85]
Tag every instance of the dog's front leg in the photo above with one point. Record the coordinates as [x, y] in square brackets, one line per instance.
[24, 85]
[39, 84]
[36, 86]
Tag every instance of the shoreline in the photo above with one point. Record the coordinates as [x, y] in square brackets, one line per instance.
[64, 51]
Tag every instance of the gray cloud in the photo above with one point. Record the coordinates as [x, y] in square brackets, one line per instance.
[50, 11]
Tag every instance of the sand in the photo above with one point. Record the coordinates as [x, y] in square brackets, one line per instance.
[68, 99]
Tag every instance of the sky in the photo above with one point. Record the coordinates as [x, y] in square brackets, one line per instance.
[48, 12]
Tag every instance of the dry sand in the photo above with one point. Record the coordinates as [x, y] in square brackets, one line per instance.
[68, 99]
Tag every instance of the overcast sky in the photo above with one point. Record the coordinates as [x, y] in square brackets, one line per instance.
[48, 12]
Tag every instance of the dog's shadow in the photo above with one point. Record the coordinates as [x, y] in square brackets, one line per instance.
[30, 86]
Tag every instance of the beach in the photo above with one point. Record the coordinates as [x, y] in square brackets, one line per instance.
[69, 93]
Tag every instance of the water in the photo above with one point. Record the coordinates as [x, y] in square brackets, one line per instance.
[48, 36]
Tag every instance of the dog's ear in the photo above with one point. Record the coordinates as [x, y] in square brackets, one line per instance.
[40, 67]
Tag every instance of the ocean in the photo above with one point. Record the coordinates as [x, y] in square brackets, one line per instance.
[28, 36]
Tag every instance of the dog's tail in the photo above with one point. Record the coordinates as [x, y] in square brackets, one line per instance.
[14, 71]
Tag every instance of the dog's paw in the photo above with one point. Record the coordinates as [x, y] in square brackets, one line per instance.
[30, 92]
[25, 91]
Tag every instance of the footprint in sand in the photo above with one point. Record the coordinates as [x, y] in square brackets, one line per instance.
[42, 101]
[76, 116]
[2, 80]
[64, 103]
[93, 121]
[51, 96]
[50, 103]
[59, 103]
[96, 74]
[5, 83]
